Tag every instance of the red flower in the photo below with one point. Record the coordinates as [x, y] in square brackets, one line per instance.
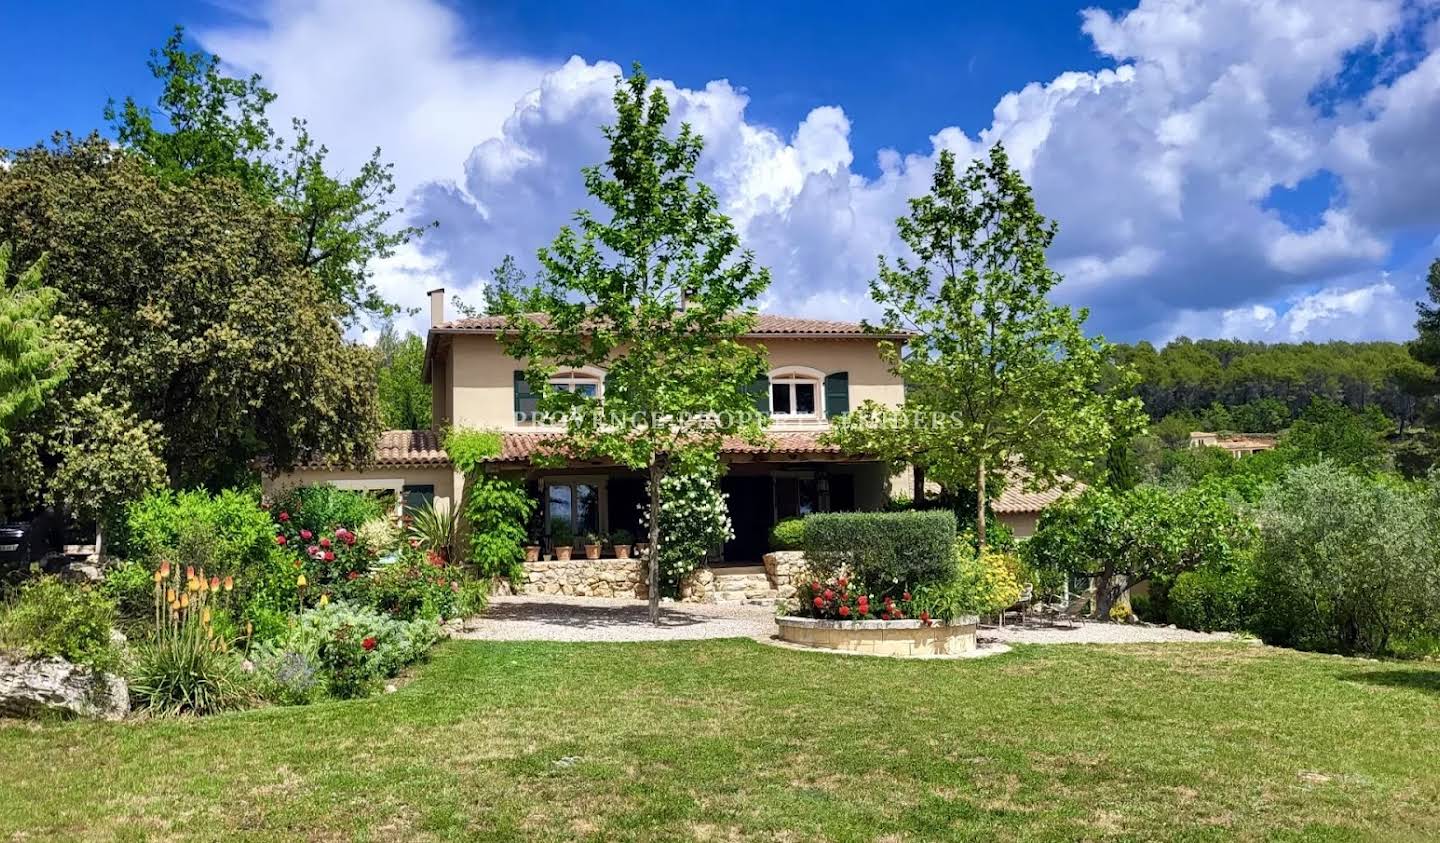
[280, 540]
[329, 557]
[819, 602]
[283, 517]
[885, 616]
[306, 534]
[844, 611]
[829, 595]
[353, 575]
[905, 597]
[842, 582]
[325, 543]
[368, 643]
[925, 618]
[815, 586]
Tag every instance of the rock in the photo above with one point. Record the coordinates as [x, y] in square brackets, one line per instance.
[390, 688]
[32, 687]
[82, 571]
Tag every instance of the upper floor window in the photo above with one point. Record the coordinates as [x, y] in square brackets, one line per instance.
[797, 393]
[587, 382]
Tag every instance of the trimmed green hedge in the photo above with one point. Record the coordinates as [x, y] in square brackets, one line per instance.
[788, 535]
[888, 552]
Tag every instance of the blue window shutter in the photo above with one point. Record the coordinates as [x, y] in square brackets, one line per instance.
[527, 403]
[837, 394]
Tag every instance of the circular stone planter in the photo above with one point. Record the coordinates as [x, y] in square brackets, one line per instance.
[907, 638]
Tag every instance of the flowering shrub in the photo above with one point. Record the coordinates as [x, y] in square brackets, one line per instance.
[841, 599]
[694, 518]
[980, 585]
[323, 558]
[421, 587]
[352, 647]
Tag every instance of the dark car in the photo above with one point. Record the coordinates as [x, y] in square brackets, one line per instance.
[35, 541]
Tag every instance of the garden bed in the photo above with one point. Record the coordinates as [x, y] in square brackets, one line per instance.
[902, 638]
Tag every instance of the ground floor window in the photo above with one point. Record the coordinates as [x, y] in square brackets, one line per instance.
[573, 503]
[417, 497]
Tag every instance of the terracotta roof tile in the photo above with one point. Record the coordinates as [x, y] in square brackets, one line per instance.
[766, 325]
[410, 447]
[1015, 498]
[520, 447]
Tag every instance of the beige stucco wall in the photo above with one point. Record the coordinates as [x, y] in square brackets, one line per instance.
[483, 377]
[1021, 523]
[445, 480]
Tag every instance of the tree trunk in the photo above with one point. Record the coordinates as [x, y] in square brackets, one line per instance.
[654, 576]
[980, 505]
[1108, 588]
[917, 485]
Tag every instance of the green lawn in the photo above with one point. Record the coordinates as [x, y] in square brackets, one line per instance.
[730, 740]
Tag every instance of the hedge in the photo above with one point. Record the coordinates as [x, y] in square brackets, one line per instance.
[886, 551]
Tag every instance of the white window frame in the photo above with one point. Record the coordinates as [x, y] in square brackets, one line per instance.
[568, 379]
[792, 376]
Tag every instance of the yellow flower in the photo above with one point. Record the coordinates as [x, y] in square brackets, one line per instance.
[170, 595]
[159, 576]
[184, 601]
[324, 600]
[205, 616]
[300, 581]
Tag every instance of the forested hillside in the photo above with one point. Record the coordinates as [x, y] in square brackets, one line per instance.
[1258, 387]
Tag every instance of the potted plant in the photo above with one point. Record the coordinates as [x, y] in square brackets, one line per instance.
[532, 548]
[620, 540]
[562, 540]
[593, 542]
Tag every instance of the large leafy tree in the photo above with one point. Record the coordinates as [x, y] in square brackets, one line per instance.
[188, 304]
[1124, 538]
[33, 360]
[658, 292]
[405, 400]
[207, 125]
[995, 373]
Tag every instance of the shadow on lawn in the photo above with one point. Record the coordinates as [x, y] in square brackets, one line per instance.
[586, 617]
[1418, 680]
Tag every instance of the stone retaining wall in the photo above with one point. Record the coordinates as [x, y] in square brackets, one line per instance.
[785, 568]
[586, 578]
[907, 638]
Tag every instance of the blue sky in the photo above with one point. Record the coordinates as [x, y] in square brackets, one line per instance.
[1217, 168]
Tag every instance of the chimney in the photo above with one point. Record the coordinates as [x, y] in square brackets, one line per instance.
[437, 307]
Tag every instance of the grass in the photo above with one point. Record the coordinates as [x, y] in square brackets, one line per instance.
[733, 740]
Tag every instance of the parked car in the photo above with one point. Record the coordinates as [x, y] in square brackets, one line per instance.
[34, 541]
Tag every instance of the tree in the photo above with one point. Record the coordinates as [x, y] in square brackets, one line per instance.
[33, 361]
[659, 294]
[214, 126]
[995, 373]
[1330, 431]
[404, 395]
[1122, 539]
[186, 302]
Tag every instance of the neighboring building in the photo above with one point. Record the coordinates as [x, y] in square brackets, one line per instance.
[1238, 444]
[817, 370]
[1020, 510]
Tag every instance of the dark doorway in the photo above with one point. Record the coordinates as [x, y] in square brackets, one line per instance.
[750, 515]
[627, 496]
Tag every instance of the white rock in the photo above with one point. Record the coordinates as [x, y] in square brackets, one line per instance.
[30, 687]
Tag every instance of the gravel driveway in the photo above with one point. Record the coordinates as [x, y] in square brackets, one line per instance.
[557, 618]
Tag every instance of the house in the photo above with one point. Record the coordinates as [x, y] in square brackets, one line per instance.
[1239, 445]
[818, 370]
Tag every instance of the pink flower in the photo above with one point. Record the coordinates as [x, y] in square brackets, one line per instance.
[329, 557]
[306, 534]
[283, 517]
[280, 540]
[312, 551]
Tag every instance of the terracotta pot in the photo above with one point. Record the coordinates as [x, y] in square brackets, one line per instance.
[622, 551]
[532, 553]
[563, 553]
[592, 551]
